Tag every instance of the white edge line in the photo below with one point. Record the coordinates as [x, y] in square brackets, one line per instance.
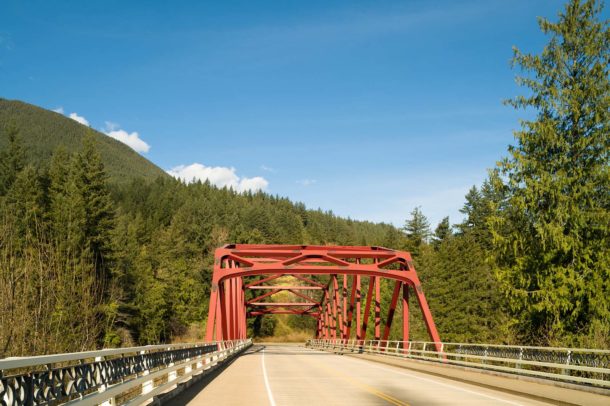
[269, 394]
[444, 384]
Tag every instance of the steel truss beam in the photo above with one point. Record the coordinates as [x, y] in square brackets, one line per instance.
[335, 271]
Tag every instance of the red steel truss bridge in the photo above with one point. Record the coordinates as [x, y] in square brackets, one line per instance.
[329, 289]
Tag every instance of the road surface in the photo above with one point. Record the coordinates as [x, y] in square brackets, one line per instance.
[281, 375]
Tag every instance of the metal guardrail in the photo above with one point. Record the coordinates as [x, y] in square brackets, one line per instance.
[573, 365]
[108, 377]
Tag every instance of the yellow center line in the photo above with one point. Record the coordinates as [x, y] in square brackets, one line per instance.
[356, 382]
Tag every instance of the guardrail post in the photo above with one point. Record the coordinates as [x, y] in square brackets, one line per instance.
[173, 374]
[147, 386]
[566, 371]
[518, 364]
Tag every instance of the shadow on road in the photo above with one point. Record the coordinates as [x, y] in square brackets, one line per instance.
[198, 383]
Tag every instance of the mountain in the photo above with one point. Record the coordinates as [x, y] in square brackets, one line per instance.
[42, 131]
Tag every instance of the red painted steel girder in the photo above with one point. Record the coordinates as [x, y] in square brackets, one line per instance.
[235, 263]
[279, 287]
[282, 304]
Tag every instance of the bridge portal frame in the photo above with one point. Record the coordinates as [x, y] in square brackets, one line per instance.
[335, 309]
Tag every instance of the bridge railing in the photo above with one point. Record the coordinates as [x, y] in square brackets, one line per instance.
[573, 365]
[108, 377]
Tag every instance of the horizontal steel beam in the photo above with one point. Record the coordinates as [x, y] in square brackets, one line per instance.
[284, 304]
[286, 287]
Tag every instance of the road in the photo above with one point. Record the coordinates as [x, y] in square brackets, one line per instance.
[281, 375]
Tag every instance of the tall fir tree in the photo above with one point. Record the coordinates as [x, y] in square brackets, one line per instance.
[66, 214]
[417, 229]
[26, 206]
[442, 232]
[12, 159]
[552, 234]
[91, 178]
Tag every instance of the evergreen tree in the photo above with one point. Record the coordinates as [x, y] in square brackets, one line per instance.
[417, 229]
[552, 234]
[25, 206]
[66, 207]
[471, 210]
[12, 160]
[442, 232]
[91, 180]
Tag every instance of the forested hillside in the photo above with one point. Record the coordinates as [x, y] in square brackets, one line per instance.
[86, 261]
[42, 131]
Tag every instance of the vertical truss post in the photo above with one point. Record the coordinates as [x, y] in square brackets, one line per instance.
[405, 312]
[430, 326]
[335, 303]
[223, 310]
[327, 320]
[339, 300]
[219, 333]
[212, 313]
[234, 304]
[367, 308]
[358, 305]
[377, 308]
[344, 309]
[230, 306]
[391, 311]
[241, 317]
[350, 313]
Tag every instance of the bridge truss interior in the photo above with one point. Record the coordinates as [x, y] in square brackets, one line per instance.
[325, 283]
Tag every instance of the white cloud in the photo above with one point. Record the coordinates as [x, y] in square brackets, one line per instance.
[79, 119]
[59, 110]
[132, 140]
[252, 184]
[220, 176]
[306, 182]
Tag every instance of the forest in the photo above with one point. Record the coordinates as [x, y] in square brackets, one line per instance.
[90, 258]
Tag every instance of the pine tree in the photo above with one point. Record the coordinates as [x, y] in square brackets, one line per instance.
[552, 235]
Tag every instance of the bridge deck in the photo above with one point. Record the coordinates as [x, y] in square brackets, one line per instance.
[292, 375]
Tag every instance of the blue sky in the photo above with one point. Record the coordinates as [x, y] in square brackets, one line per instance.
[364, 108]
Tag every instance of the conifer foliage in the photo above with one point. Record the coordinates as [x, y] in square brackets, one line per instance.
[552, 231]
